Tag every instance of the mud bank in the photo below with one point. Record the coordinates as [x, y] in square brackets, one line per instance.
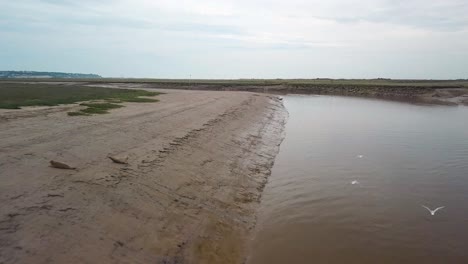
[442, 93]
[197, 165]
[445, 95]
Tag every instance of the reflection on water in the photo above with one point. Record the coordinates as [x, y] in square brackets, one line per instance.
[399, 157]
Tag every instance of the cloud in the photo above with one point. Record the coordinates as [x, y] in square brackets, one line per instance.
[301, 38]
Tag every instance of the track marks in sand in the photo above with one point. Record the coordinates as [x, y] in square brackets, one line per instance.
[187, 194]
[230, 197]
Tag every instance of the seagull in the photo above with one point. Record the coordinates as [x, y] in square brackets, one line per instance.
[354, 182]
[360, 156]
[433, 211]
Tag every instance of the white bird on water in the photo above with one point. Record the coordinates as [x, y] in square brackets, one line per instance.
[354, 182]
[360, 156]
[433, 211]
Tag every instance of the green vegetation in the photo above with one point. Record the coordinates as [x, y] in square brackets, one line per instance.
[16, 95]
[140, 100]
[272, 82]
[95, 108]
[79, 113]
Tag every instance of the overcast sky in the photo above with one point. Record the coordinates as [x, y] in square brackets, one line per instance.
[238, 38]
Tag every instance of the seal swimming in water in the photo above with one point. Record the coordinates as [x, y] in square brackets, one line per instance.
[60, 165]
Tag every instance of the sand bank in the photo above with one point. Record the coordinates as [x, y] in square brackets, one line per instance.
[197, 165]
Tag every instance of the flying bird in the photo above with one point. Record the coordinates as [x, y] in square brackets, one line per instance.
[433, 211]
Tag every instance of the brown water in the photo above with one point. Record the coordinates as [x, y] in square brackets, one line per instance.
[413, 155]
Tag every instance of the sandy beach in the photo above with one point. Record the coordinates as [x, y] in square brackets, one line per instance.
[197, 165]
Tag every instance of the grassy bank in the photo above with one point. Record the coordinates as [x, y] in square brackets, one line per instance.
[269, 82]
[95, 108]
[427, 91]
[17, 95]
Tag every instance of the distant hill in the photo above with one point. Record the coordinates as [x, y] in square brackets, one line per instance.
[34, 74]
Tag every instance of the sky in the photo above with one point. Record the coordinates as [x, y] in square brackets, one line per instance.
[401, 39]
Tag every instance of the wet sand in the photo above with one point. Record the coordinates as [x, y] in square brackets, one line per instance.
[197, 165]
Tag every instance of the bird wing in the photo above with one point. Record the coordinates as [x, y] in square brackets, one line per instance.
[427, 208]
[437, 209]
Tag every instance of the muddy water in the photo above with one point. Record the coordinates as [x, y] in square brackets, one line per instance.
[402, 156]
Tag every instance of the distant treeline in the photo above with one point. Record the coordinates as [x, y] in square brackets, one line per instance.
[34, 74]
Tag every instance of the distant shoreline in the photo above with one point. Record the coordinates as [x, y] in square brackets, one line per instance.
[261, 82]
[8, 75]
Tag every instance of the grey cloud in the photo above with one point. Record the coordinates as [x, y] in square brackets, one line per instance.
[450, 16]
[448, 19]
[206, 28]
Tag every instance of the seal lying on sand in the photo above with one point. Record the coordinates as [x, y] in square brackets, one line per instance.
[60, 165]
[119, 161]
